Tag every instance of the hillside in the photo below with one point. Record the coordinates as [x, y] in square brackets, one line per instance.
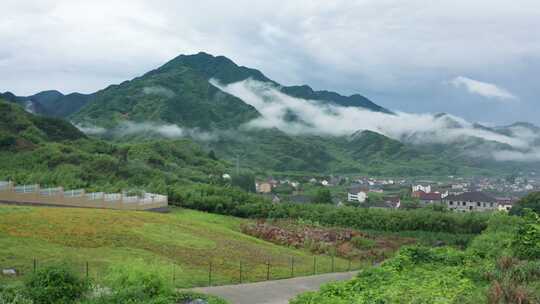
[52, 152]
[50, 103]
[361, 153]
[180, 96]
[182, 241]
[179, 93]
[226, 71]
[177, 100]
[19, 129]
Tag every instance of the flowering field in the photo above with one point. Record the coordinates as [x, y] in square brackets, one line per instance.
[188, 247]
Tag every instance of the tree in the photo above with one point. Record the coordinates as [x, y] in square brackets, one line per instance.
[244, 181]
[531, 201]
[526, 243]
[212, 155]
[323, 196]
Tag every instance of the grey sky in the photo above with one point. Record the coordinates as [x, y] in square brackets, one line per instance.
[452, 56]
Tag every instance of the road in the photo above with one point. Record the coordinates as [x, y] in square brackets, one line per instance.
[273, 292]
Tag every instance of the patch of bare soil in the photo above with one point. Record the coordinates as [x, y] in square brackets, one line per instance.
[347, 243]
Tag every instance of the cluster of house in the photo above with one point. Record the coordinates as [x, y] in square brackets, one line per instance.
[459, 198]
[266, 186]
[359, 194]
[466, 201]
[516, 186]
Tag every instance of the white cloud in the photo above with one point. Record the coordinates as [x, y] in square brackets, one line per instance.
[484, 89]
[314, 117]
[136, 128]
[91, 130]
[391, 49]
[159, 90]
[529, 156]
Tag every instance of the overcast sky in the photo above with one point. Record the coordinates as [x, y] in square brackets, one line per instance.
[478, 59]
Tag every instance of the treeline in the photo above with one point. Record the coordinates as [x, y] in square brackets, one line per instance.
[231, 201]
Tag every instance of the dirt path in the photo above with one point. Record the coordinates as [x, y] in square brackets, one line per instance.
[273, 292]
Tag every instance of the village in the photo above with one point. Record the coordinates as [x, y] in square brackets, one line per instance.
[461, 194]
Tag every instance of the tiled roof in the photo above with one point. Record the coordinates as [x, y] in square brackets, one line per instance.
[473, 197]
[429, 196]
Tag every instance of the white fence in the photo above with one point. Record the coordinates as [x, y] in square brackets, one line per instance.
[79, 198]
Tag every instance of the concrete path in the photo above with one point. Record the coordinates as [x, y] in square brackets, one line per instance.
[273, 292]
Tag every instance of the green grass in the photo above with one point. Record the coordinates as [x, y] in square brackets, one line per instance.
[183, 242]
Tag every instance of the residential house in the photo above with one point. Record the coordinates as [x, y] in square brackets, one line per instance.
[471, 202]
[424, 188]
[263, 187]
[428, 198]
[506, 203]
[357, 194]
[393, 201]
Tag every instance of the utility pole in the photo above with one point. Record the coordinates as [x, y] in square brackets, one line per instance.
[237, 164]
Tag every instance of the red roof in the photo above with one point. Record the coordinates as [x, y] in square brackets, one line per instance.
[433, 196]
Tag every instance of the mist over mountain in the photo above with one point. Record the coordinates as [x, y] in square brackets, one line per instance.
[221, 105]
[517, 142]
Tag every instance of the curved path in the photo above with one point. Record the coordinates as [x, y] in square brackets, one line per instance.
[273, 292]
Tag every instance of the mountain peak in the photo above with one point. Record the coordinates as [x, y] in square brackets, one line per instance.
[227, 72]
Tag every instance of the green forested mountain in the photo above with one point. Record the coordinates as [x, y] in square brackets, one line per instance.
[52, 152]
[179, 96]
[362, 153]
[50, 103]
[226, 71]
[179, 92]
[20, 129]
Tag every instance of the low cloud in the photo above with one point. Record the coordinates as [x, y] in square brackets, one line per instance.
[299, 116]
[484, 89]
[530, 156]
[91, 130]
[129, 128]
[159, 90]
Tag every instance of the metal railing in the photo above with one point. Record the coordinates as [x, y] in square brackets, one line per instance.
[33, 194]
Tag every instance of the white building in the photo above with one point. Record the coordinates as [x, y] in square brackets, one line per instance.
[360, 197]
[425, 189]
[357, 194]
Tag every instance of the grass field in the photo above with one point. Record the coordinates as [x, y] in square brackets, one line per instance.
[179, 245]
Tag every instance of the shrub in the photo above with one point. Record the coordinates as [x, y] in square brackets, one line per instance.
[526, 243]
[531, 201]
[13, 295]
[230, 201]
[55, 285]
[137, 282]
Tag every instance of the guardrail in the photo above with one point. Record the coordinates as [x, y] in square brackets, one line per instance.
[34, 194]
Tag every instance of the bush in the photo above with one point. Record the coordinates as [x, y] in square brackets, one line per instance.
[137, 282]
[55, 285]
[526, 243]
[230, 201]
[531, 201]
[13, 295]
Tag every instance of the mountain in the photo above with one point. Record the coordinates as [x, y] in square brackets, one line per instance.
[50, 103]
[20, 129]
[179, 95]
[178, 100]
[53, 152]
[227, 72]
